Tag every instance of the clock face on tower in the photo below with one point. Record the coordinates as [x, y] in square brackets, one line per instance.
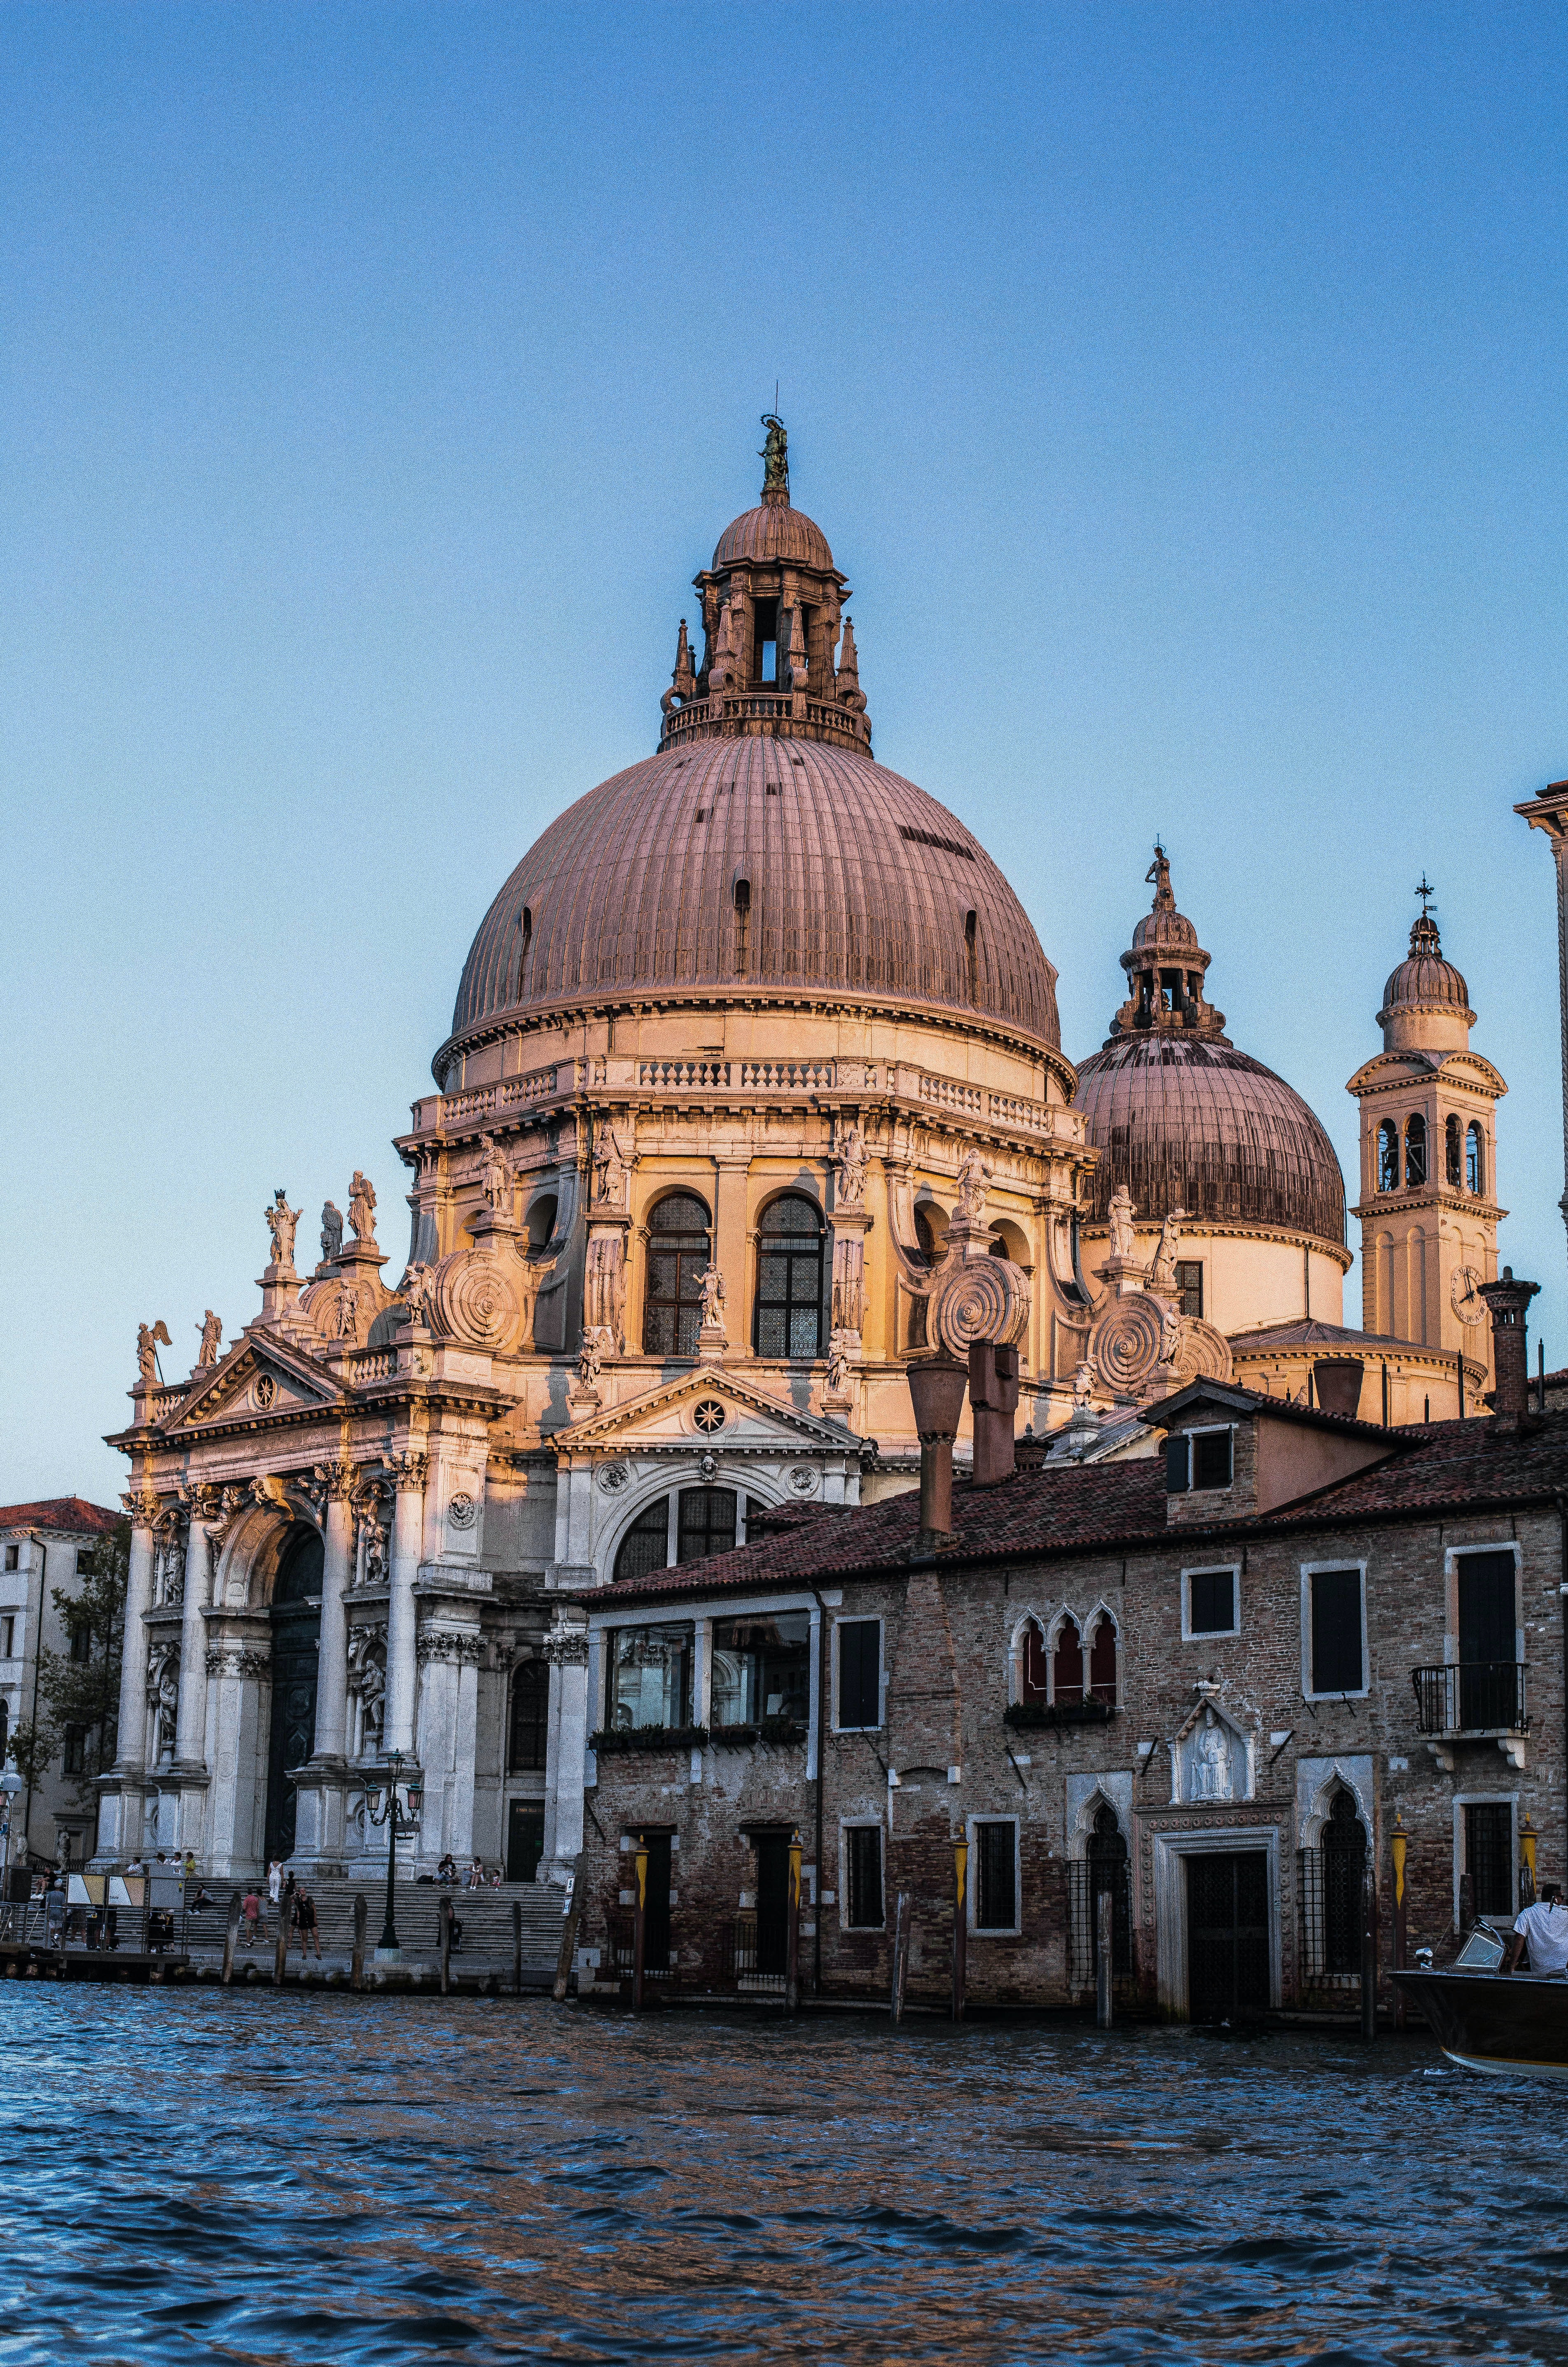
[1464, 1293]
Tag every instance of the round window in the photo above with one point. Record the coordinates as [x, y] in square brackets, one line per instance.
[708, 1416]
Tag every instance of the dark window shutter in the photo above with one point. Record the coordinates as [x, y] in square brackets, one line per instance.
[1336, 1631]
[859, 1672]
[1178, 1449]
[1211, 1603]
[995, 1891]
[864, 1850]
[1211, 1458]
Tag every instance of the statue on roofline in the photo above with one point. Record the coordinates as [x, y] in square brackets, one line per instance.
[775, 455]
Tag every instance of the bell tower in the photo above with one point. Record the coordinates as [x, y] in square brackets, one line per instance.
[1428, 1207]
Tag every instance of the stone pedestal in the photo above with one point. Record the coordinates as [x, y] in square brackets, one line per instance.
[279, 1287]
[1120, 1275]
[321, 1817]
[712, 1344]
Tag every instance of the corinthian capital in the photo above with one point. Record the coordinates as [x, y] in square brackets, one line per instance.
[409, 1469]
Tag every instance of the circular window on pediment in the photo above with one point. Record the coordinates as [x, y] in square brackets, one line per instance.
[708, 1415]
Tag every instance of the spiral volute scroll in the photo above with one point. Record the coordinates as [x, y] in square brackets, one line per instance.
[981, 1298]
[1202, 1354]
[1124, 1346]
[472, 1301]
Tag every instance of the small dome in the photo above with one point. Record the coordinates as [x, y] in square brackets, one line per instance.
[1201, 1127]
[1424, 979]
[1164, 931]
[772, 532]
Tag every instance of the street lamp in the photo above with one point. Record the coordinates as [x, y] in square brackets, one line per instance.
[10, 1784]
[395, 1812]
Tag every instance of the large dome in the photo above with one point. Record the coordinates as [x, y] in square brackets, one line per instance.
[769, 867]
[1201, 1127]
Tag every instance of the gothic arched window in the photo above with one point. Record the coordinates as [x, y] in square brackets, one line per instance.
[1344, 1874]
[1033, 1674]
[788, 1320]
[1102, 1662]
[1475, 1160]
[1453, 1151]
[677, 1253]
[1109, 1870]
[1416, 1149]
[1388, 1156]
[530, 1706]
[1067, 1665]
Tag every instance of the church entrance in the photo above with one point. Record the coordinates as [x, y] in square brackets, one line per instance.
[1227, 1935]
[296, 1638]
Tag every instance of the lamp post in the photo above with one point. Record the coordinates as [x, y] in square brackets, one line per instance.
[406, 1811]
[10, 1784]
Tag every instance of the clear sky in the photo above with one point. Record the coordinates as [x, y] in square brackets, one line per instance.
[1181, 388]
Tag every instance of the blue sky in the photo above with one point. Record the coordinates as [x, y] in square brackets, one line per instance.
[1180, 388]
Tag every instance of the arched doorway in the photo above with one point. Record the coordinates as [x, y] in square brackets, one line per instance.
[296, 1638]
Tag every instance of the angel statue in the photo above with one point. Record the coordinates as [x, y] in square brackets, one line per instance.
[1162, 1276]
[974, 1177]
[282, 1220]
[362, 1207]
[1083, 1386]
[330, 1233]
[211, 1332]
[148, 1336]
[1121, 1215]
[613, 1167]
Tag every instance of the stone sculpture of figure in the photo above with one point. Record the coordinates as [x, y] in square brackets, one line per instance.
[1158, 875]
[211, 1339]
[282, 1220]
[775, 455]
[415, 1288]
[1211, 1761]
[495, 1176]
[148, 1338]
[853, 1160]
[330, 1233]
[1170, 1335]
[711, 1283]
[589, 1357]
[1161, 1275]
[604, 1286]
[1121, 1214]
[974, 1177]
[348, 1311]
[612, 1166]
[1083, 1386]
[362, 1207]
[837, 1367]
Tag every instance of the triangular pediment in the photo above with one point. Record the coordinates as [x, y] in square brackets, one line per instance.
[261, 1379]
[672, 1418]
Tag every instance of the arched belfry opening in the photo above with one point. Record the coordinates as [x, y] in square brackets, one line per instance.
[296, 1636]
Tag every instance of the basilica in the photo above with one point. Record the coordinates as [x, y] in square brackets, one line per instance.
[754, 1091]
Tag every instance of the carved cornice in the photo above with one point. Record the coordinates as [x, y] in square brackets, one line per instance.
[409, 1470]
[237, 1660]
[444, 1644]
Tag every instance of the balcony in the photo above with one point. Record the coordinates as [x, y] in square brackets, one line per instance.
[1472, 1701]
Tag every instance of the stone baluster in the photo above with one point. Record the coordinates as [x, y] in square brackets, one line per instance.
[408, 1524]
[338, 1535]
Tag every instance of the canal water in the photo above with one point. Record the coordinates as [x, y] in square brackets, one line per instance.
[193, 2177]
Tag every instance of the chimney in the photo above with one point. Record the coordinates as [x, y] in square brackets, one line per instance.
[1338, 1382]
[1508, 1300]
[936, 1385]
[993, 1399]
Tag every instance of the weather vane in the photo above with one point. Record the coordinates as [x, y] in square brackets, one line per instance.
[1426, 892]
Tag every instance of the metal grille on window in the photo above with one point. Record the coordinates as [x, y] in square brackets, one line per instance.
[530, 1706]
[646, 1544]
[1489, 1855]
[1329, 1893]
[863, 1855]
[1190, 1282]
[677, 1253]
[995, 1890]
[1104, 1868]
[790, 1280]
[707, 1522]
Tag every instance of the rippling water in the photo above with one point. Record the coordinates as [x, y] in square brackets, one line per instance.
[195, 2176]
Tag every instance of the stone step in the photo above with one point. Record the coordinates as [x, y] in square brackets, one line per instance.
[485, 1916]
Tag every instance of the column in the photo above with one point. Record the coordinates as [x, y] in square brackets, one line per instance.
[567, 1651]
[131, 1754]
[190, 1718]
[1550, 813]
[408, 1525]
[338, 1576]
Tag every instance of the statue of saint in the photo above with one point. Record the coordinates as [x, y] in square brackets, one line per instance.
[711, 1283]
[974, 1177]
[1211, 1761]
[1083, 1386]
[1121, 1214]
[613, 1167]
[282, 1220]
[775, 455]
[495, 1176]
[148, 1338]
[838, 1367]
[604, 1285]
[211, 1339]
[1159, 876]
[362, 1207]
[415, 1289]
[330, 1233]
[348, 1311]
[589, 1357]
[853, 1160]
[1161, 1275]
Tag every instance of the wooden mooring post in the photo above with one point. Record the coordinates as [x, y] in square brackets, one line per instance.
[639, 1921]
[1104, 1949]
[280, 1953]
[792, 1931]
[444, 1932]
[1369, 1954]
[357, 1962]
[230, 1933]
[1398, 1849]
[900, 1954]
[568, 1943]
[961, 1926]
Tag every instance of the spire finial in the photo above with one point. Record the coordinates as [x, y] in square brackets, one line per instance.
[1424, 938]
[775, 457]
[1425, 891]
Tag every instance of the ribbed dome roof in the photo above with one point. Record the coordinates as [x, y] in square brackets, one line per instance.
[1424, 977]
[771, 533]
[1164, 932]
[1201, 1127]
[858, 884]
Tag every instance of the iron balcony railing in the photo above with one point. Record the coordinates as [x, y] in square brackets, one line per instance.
[756, 1966]
[1472, 1697]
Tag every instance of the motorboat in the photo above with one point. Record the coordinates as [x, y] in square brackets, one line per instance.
[1488, 2019]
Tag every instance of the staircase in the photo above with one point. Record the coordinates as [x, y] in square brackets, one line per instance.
[485, 1948]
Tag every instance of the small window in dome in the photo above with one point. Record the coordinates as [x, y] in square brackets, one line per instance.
[1475, 1160]
[766, 615]
[1388, 1156]
[972, 955]
[525, 932]
[1453, 1155]
[1415, 1150]
[743, 926]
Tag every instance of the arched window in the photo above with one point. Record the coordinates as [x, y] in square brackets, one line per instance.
[1344, 1874]
[646, 1544]
[677, 1253]
[787, 1322]
[1416, 1149]
[707, 1522]
[1102, 1662]
[541, 1221]
[1453, 1151]
[1388, 1156]
[1108, 1871]
[1474, 1158]
[1033, 1675]
[930, 1255]
[531, 1707]
[743, 926]
[1067, 1665]
[972, 956]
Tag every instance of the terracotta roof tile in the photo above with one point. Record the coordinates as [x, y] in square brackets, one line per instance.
[71, 1513]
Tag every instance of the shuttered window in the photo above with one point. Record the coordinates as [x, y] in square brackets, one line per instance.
[859, 1672]
[863, 1859]
[1337, 1665]
[995, 1885]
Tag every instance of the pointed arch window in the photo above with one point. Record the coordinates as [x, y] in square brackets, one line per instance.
[1034, 1669]
[788, 1318]
[1344, 1876]
[1475, 1160]
[1102, 1662]
[1414, 1150]
[677, 1253]
[1388, 1156]
[1109, 1870]
[1067, 1665]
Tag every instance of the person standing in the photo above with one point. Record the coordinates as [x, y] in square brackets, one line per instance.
[250, 1914]
[305, 1922]
[275, 1880]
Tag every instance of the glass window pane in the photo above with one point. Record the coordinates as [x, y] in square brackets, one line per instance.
[863, 1850]
[1336, 1631]
[773, 1277]
[707, 1522]
[995, 1901]
[651, 1676]
[772, 1331]
[646, 1544]
[761, 1668]
[804, 1333]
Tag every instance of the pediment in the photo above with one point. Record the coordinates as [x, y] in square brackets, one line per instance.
[673, 1417]
[259, 1380]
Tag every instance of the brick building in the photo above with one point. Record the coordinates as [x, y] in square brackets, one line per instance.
[1207, 1681]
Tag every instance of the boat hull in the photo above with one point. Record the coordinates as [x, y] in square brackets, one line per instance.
[1494, 2021]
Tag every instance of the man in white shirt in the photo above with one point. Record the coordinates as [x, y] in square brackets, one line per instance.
[1544, 1929]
